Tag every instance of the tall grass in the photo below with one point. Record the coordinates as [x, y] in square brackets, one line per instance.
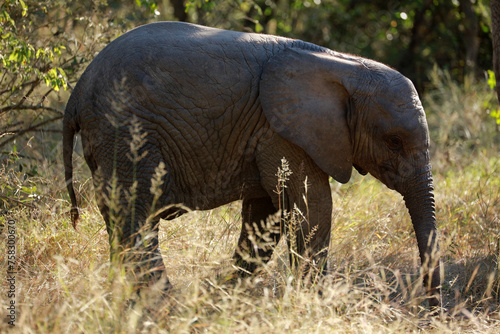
[63, 283]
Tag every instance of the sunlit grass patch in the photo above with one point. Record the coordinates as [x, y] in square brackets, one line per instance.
[374, 283]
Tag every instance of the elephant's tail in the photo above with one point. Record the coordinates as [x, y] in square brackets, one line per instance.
[69, 130]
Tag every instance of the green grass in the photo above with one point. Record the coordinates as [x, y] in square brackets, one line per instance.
[63, 284]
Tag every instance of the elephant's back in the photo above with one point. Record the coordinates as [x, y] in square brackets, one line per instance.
[177, 66]
[173, 66]
[177, 46]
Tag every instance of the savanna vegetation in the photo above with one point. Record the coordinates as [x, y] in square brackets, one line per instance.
[62, 275]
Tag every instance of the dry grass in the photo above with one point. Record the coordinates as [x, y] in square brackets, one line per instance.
[62, 283]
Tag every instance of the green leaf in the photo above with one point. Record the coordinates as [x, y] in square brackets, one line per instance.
[491, 79]
[6, 17]
[258, 27]
[13, 56]
[25, 8]
[496, 114]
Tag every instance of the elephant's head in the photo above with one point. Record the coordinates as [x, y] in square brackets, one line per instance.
[347, 111]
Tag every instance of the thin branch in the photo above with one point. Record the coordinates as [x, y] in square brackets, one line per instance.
[4, 74]
[24, 98]
[44, 96]
[31, 128]
[20, 86]
[17, 201]
[48, 130]
[30, 107]
[8, 128]
[29, 92]
[10, 91]
[15, 132]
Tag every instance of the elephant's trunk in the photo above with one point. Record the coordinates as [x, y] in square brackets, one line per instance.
[419, 199]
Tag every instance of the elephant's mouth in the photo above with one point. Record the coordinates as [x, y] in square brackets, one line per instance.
[389, 176]
[399, 174]
[360, 170]
[384, 172]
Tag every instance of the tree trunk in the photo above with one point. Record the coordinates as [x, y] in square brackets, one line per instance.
[495, 34]
[179, 10]
[471, 37]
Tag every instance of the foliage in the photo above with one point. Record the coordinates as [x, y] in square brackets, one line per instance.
[44, 47]
[492, 82]
[459, 117]
[411, 36]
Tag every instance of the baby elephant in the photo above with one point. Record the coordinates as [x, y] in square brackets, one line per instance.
[217, 111]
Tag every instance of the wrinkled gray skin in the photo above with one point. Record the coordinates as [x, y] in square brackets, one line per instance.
[221, 109]
[495, 36]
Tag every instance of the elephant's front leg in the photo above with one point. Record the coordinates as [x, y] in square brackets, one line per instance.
[308, 221]
[259, 236]
[305, 199]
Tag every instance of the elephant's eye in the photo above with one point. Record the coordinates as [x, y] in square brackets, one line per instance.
[394, 143]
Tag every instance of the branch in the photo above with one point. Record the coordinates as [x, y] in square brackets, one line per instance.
[17, 201]
[49, 130]
[8, 128]
[20, 86]
[29, 107]
[24, 98]
[44, 96]
[31, 128]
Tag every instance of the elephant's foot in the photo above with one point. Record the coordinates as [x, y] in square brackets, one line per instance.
[145, 271]
[150, 275]
[245, 268]
[158, 282]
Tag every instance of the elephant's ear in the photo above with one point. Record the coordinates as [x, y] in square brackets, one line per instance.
[304, 100]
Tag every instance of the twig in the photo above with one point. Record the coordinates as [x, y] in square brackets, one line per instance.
[20, 86]
[31, 128]
[30, 107]
[24, 98]
[17, 201]
[11, 126]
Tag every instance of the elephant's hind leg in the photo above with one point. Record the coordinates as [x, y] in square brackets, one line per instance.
[133, 234]
[134, 246]
[145, 257]
[259, 236]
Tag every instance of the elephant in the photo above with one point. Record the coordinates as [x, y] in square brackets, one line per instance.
[219, 110]
[495, 35]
